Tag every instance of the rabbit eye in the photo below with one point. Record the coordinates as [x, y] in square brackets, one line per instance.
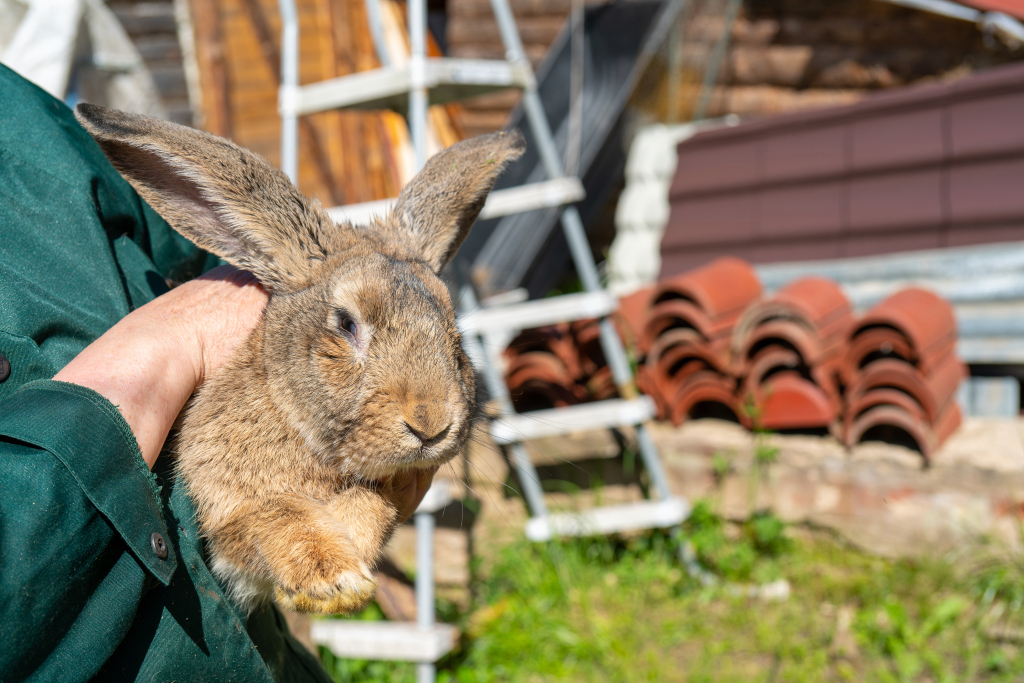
[346, 324]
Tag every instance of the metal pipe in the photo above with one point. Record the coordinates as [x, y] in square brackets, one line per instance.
[529, 480]
[675, 72]
[425, 672]
[577, 55]
[496, 387]
[940, 7]
[376, 21]
[418, 78]
[984, 20]
[649, 454]
[288, 95]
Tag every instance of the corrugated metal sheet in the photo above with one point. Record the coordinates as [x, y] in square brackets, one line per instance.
[918, 168]
[524, 249]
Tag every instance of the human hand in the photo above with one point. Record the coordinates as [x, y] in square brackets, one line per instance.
[406, 489]
[152, 360]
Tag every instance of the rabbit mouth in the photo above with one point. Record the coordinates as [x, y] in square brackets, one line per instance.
[428, 441]
[433, 451]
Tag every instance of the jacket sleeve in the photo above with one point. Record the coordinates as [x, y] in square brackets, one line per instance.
[79, 512]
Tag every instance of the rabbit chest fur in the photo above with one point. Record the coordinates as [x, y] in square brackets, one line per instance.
[355, 373]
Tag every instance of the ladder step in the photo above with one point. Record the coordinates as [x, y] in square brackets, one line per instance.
[391, 640]
[388, 88]
[555, 421]
[440, 494]
[609, 520]
[538, 313]
[542, 195]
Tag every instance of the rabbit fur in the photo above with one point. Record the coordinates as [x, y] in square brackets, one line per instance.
[355, 372]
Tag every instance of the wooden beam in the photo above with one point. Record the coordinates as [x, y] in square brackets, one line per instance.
[206, 22]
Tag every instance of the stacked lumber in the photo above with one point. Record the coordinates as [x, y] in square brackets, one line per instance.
[901, 371]
[345, 157]
[708, 345]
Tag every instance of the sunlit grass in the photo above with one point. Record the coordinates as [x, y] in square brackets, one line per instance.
[601, 610]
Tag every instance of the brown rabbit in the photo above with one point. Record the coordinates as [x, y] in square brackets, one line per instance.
[355, 373]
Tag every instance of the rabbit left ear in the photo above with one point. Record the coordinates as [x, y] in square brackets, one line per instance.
[437, 208]
[227, 200]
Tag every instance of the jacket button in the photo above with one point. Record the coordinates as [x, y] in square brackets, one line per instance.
[5, 368]
[159, 546]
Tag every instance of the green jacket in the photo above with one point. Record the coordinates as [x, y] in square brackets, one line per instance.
[83, 593]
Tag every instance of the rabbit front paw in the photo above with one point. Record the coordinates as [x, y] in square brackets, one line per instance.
[347, 592]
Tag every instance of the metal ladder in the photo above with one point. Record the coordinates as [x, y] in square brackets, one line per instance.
[421, 82]
[486, 331]
[412, 88]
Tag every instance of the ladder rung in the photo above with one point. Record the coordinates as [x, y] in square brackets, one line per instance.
[390, 640]
[538, 313]
[388, 88]
[440, 494]
[646, 514]
[537, 424]
[542, 195]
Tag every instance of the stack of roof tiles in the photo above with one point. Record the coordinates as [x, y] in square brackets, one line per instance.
[901, 371]
[557, 366]
[787, 352]
[682, 330]
[708, 344]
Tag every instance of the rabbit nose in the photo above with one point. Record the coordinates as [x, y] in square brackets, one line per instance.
[425, 437]
[428, 421]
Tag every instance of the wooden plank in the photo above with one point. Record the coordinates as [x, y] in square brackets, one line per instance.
[388, 640]
[216, 106]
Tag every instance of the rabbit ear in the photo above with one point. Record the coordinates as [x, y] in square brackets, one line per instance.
[225, 199]
[437, 208]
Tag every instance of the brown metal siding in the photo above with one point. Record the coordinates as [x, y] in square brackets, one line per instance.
[919, 168]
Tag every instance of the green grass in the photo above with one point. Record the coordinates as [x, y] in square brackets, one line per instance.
[601, 610]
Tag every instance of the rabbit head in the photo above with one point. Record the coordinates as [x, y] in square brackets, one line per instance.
[361, 351]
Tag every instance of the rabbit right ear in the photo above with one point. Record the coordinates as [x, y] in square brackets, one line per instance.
[225, 199]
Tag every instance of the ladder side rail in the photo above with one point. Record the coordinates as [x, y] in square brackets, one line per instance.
[576, 237]
[487, 363]
[376, 21]
[425, 671]
[572, 224]
[418, 80]
[289, 89]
